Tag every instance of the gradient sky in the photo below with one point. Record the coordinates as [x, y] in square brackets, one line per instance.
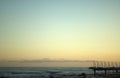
[60, 29]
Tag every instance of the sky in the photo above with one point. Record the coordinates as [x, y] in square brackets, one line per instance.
[60, 29]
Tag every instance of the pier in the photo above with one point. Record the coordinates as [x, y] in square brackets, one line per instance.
[106, 68]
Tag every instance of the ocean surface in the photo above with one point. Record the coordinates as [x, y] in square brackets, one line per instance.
[43, 72]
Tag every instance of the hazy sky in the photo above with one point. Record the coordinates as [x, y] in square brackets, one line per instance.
[60, 29]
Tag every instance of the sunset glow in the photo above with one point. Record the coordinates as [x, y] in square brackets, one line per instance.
[60, 29]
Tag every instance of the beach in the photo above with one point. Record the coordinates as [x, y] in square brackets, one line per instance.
[43, 72]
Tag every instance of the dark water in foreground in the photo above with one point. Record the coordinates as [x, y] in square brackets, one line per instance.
[42, 72]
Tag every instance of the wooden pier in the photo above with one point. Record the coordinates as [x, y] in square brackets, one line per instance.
[105, 68]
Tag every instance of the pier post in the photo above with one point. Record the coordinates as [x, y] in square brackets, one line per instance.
[116, 71]
[94, 72]
[105, 72]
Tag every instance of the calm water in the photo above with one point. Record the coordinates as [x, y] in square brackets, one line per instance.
[41, 72]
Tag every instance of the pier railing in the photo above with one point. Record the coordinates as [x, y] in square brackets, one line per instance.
[105, 64]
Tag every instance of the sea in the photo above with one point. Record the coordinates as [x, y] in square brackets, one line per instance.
[43, 72]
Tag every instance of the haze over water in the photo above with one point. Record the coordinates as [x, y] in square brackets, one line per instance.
[59, 30]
